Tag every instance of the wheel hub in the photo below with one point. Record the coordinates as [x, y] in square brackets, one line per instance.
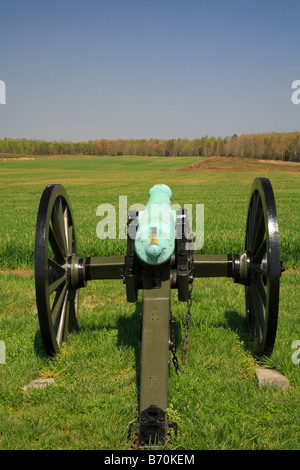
[76, 276]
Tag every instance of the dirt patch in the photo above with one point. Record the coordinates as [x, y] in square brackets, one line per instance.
[279, 162]
[2, 159]
[19, 272]
[238, 164]
[291, 271]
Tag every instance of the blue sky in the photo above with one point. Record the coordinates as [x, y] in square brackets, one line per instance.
[90, 69]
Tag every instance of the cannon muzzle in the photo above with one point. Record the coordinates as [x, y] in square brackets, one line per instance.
[155, 237]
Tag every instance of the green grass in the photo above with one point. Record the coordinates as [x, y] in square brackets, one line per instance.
[216, 400]
[91, 181]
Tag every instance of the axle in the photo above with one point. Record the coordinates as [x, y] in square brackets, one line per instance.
[237, 266]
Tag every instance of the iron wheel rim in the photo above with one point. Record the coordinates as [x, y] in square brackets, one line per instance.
[55, 241]
[262, 244]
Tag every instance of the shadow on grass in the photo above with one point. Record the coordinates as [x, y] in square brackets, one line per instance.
[129, 334]
[39, 348]
[238, 324]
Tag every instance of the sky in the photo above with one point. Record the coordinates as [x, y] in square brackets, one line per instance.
[89, 69]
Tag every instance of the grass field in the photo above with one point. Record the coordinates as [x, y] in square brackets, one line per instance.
[216, 400]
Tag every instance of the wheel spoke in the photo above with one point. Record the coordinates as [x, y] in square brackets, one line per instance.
[66, 327]
[259, 316]
[259, 254]
[259, 227]
[249, 229]
[57, 267]
[58, 226]
[66, 227]
[56, 247]
[60, 330]
[55, 285]
[249, 233]
[258, 269]
[255, 219]
[70, 238]
[252, 214]
[260, 288]
[58, 303]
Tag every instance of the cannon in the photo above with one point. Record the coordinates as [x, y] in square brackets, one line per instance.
[159, 257]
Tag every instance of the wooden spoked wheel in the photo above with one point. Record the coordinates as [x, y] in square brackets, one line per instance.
[55, 243]
[262, 247]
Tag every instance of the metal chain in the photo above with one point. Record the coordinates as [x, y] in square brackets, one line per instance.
[173, 347]
[189, 305]
[188, 322]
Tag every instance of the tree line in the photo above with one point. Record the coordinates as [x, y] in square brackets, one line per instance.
[275, 145]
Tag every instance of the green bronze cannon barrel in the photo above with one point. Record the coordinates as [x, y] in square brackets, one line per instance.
[155, 237]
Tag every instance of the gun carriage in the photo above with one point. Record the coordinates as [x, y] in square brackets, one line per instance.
[159, 257]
